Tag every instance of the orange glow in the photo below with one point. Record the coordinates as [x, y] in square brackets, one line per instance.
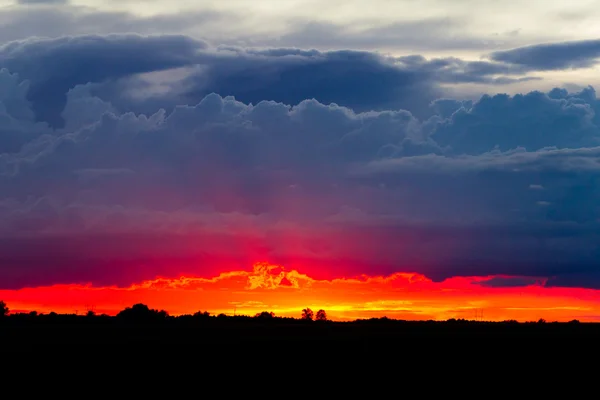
[271, 288]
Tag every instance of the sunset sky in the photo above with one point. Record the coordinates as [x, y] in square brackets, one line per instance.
[411, 159]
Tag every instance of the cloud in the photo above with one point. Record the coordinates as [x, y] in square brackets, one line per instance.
[510, 281]
[114, 196]
[42, 2]
[237, 24]
[534, 121]
[129, 70]
[53, 66]
[552, 56]
[286, 292]
[56, 18]
[18, 124]
[350, 185]
[426, 34]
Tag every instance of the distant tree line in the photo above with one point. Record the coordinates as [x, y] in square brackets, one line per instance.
[142, 313]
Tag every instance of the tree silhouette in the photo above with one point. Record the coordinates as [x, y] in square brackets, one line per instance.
[265, 315]
[307, 314]
[3, 309]
[321, 315]
[202, 315]
[141, 312]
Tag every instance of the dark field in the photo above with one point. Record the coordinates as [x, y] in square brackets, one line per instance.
[238, 334]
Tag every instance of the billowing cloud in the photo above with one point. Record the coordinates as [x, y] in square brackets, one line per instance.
[144, 73]
[267, 287]
[297, 169]
[533, 121]
[53, 66]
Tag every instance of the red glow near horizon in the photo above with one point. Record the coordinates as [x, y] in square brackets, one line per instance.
[268, 287]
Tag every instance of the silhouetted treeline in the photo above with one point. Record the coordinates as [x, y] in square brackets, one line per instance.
[141, 313]
[141, 327]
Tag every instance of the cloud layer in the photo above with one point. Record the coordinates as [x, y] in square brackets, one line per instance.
[124, 157]
[273, 288]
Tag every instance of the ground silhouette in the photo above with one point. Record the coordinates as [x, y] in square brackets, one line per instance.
[139, 326]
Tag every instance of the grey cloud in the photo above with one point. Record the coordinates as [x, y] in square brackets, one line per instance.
[53, 66]
[511, 281]
[573, 280]
[448, 33]
[446, 194]
[42, 2]
[552, 56]
[360, 80]
[357, 182]
[17, 120]
[534, 120]
[429, 34]
[29, 20]
[515, 161]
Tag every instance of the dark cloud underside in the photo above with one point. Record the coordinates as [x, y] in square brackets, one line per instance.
[345, 162]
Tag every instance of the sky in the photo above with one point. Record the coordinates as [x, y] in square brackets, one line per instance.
[411, 159]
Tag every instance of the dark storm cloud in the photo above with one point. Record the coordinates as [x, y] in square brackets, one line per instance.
[510, 281]
[53, 66]
[291, 176]
[552, 56]
[591, 277]
[533, 121]
[362, 81]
